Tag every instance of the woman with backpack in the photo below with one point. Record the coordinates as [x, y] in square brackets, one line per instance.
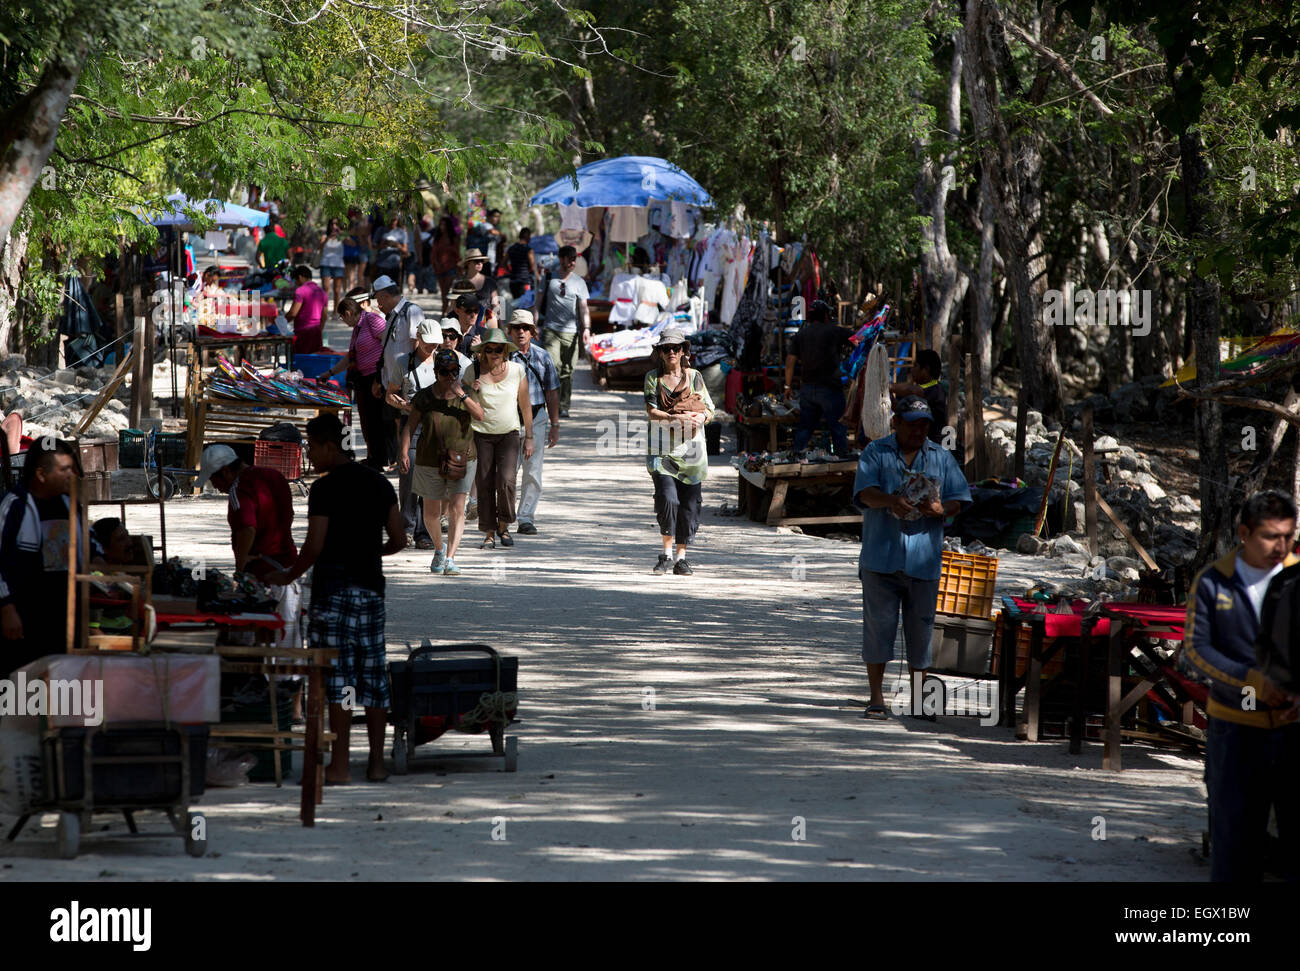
[678, 405]
[444, 413]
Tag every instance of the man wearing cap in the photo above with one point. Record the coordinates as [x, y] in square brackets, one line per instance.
[543, 393]
[260, 514]
[565, 321]
[349, 511]
[467, 310]
[414, 372]
[403, 325]
[817, 348]
[905, 486]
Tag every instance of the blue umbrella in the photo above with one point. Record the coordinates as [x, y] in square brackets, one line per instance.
[542, 245]
[633, 180]
[221, 213]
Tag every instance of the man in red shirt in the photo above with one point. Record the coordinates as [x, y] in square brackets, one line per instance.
[260, 512]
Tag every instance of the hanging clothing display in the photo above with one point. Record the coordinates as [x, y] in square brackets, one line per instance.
[623, 293]
[627, 223]
[735, 272]
[651, 298]
[572, 217]
[875, 394]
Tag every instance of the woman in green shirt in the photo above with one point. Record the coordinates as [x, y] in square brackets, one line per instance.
[679, 407]
[444, 413]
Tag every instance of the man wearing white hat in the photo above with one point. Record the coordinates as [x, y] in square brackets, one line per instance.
[403, 318]
[414, 371]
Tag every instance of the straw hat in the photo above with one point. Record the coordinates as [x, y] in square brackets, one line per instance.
[496, 336]
[472, 254]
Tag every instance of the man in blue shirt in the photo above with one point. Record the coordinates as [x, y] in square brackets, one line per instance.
[544, 395]
[906, 486]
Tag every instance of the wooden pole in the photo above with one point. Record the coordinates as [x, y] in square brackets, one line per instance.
[139, 403]
[1089, 484]
[954, 362]
[976, 382]
[969, 463]
[1022, 420]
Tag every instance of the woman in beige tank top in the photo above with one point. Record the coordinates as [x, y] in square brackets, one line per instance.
[501, 388]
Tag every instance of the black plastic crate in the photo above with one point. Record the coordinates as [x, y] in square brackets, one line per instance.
[170, 448]
[143, 783]
[130, 448]
[449, 685]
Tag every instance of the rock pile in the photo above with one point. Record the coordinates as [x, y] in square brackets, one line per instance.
[53, 402]
[1130, 482]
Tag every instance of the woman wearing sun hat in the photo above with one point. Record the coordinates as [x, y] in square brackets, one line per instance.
[679, 406]
[501, 387]
[473, 265]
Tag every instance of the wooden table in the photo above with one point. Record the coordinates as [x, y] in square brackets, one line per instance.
[779, 479]
[753, 428]
[1129, 623]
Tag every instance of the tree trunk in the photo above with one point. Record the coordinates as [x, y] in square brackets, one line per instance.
[13, 256]
[30, 128]
[942, 283]
[1014, 172]
[982, 324]
[1203, 322]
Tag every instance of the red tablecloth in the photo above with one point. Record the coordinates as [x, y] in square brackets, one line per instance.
[256, 621]
[1064, 625]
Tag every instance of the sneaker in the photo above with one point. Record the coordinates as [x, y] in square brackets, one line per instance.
[471, 509]
[439, 561]
[526, 529]
[424, 543]
[682, 568]
[564, 412]
[451, 569]
[444, 523]
[664, 563]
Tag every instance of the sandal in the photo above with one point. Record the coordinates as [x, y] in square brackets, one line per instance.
[489, 543]
[876, 713]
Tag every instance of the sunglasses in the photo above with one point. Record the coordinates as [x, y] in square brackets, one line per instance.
[445, 370]
[563, 289]
[672, 350]
[494, 350]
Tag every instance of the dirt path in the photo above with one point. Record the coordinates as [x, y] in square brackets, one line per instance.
[702, 727]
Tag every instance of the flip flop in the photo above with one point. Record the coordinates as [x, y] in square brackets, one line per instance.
[876, 713]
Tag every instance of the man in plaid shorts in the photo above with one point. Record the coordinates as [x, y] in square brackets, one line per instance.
[350, 508]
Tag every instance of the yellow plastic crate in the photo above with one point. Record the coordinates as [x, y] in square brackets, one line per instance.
[966, 584]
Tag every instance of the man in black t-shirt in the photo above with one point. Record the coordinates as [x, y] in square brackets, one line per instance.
[523, 264]
[818, 348]
[923, 379]
[350, 508]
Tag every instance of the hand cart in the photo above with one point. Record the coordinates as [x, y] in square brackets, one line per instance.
[126, 768]
[433, 692]
[160, 477]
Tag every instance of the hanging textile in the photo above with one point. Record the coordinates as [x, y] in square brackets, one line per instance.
[875, 395]
[749, 309]
[627, 223]
[572, 217]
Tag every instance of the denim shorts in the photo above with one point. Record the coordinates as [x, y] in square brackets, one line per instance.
[326, 272]
[883, 596]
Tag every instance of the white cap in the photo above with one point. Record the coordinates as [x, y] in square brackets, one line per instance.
[430, 332]
[451, 323]
[383, 283]
[215, 458]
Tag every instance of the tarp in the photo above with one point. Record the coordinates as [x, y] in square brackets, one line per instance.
[632, 180]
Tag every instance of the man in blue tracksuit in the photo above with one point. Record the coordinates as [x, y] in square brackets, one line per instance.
[34, 557]
[1253, 749]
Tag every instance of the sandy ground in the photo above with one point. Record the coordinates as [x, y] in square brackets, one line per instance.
[704, 727]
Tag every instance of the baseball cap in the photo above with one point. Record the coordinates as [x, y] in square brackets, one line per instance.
[430, 331]
[215, 458]
[381, 284]
[913, 408]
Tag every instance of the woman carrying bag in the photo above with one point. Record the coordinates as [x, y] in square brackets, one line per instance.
[444, 413]
[679, 406]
